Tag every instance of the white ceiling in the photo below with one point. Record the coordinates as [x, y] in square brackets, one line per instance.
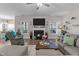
[10, 10]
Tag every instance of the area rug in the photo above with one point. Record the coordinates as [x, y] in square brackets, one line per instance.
[48, 52]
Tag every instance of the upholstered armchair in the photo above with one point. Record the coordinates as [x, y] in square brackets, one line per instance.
[15, 41]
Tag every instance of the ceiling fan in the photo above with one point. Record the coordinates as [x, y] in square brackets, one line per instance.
[39, 4]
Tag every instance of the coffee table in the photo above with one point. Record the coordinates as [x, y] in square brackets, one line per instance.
[42, 46]
[37, 43]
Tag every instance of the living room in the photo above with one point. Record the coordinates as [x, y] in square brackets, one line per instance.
[35, 20]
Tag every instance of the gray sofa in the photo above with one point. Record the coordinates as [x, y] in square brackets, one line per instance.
[16, 50]
[68, 50]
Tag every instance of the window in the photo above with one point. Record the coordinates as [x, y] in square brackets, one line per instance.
[6, 25]
[24, 27]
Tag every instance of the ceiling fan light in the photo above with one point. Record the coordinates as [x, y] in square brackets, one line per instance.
[39, 4]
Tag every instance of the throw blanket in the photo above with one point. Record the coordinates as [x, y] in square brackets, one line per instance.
[3, 43]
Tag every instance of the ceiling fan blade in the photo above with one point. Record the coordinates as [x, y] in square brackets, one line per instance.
[29, 3]
[46, 4]
[37, 8]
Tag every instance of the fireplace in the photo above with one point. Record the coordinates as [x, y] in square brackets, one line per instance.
[38, 34]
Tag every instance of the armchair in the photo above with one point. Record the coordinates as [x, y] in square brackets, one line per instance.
[15, 41]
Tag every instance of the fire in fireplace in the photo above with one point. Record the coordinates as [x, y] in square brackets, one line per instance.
[38, 34]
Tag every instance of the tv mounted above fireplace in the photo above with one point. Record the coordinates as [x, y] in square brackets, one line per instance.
[39, 21]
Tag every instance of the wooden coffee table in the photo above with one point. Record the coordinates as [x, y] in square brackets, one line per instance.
[37, 43]
[41, 45]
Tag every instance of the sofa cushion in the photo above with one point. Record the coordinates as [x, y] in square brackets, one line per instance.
[72, 50]
[61, 44]
[77, 43]
[14, 50]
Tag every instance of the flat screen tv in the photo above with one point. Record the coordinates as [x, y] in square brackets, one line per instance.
[39, 21]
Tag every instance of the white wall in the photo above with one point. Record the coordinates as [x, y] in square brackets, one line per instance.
[72, 29]
[29, 19]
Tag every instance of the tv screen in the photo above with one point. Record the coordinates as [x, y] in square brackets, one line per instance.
[39, 21]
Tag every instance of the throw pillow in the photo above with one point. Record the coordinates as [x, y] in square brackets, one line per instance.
[69, 40]
[14, 34]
